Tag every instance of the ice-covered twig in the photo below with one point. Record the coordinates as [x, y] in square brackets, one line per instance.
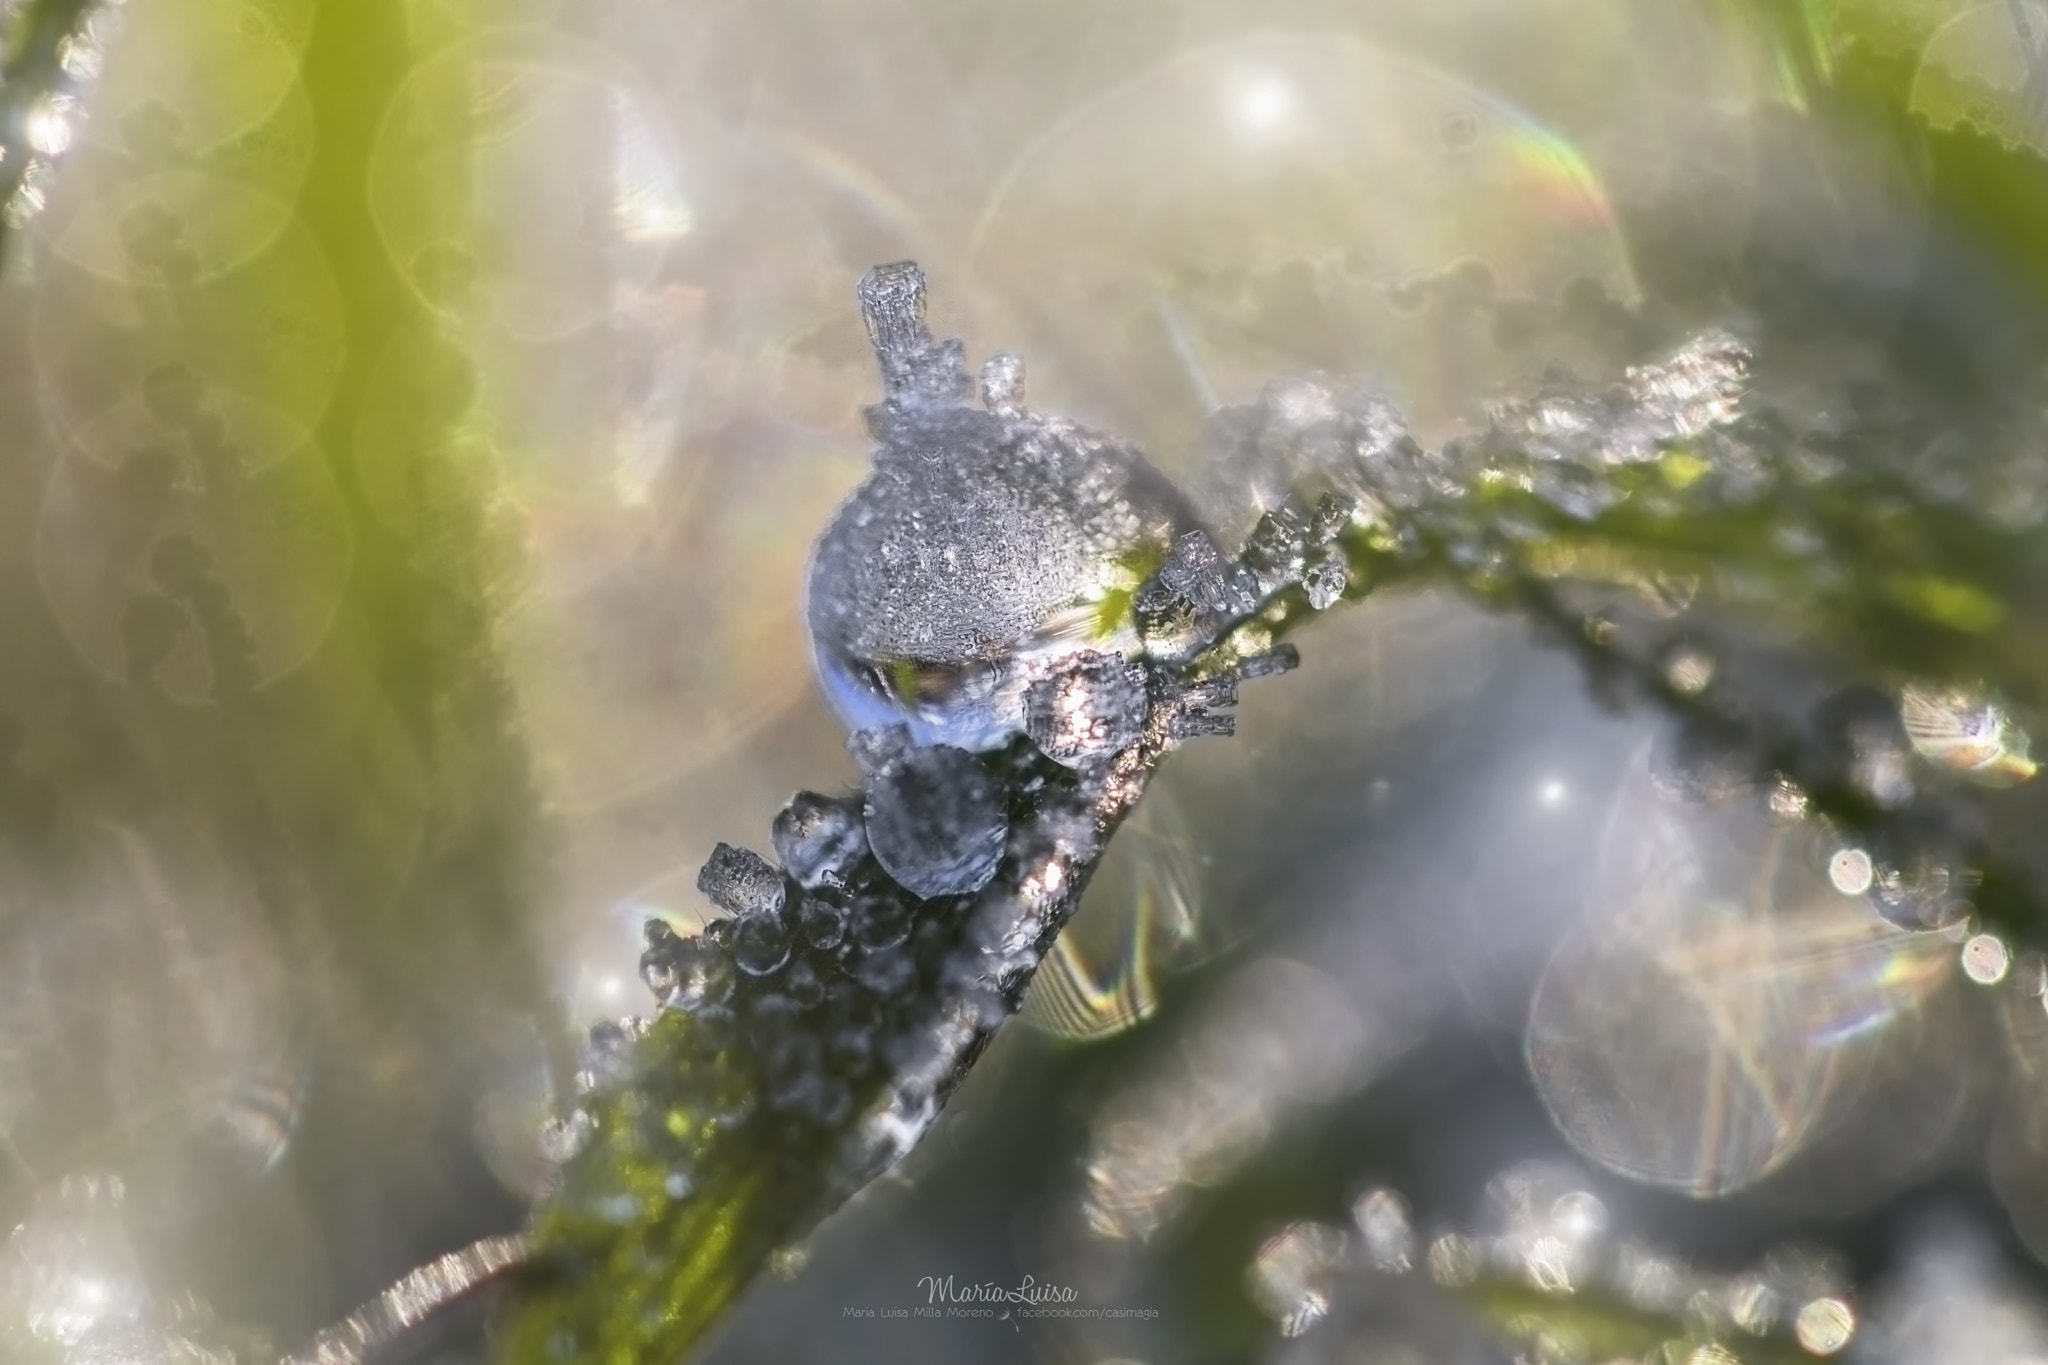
[416, 1296]
[1023, 619]
[53, 54]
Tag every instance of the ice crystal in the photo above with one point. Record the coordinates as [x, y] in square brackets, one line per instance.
[741, 882]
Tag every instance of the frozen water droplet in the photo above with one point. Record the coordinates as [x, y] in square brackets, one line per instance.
[1093, 707]
[936, 821]
[1911, 895]
[984, 549]
[1688, 669]
[1851, 871]
[1325, 581]
[1387, 1231]
[1824, 1326]
[887, 973]
[701, 974]
[821, 924]
[1788, 800]
[819, 839]
[608, 1053]
[741, 882]
[659, 963]
[872, 749]
[1291, 1277]
[802, 984]
[760, 944]
[1986, 959]
[881, 923]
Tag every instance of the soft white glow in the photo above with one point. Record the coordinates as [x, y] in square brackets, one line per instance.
[1265, 104]
[1551, 793]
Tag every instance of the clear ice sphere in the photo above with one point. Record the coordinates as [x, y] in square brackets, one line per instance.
[936, 822]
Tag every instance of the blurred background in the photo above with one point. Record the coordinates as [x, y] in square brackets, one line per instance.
[417, 420]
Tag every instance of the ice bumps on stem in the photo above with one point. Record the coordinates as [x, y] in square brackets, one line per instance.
[1018, 618]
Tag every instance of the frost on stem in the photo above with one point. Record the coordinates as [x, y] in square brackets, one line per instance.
[974, 619]
[1019, 618]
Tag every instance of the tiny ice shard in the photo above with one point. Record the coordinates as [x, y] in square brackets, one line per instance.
[1197, 572]
[987, 547]
[818, 839]
[937, 821]
[1002, 385]
[1091, 709]
[1325, 580]
[741, 882]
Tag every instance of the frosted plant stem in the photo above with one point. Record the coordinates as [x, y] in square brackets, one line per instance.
[812, 1035]
[412, 1300]
[52, 55]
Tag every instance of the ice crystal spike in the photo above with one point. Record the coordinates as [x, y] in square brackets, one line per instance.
[916, 367]
[1197, 572]
[1002, 384]
[741, 882]
[1325, 581]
